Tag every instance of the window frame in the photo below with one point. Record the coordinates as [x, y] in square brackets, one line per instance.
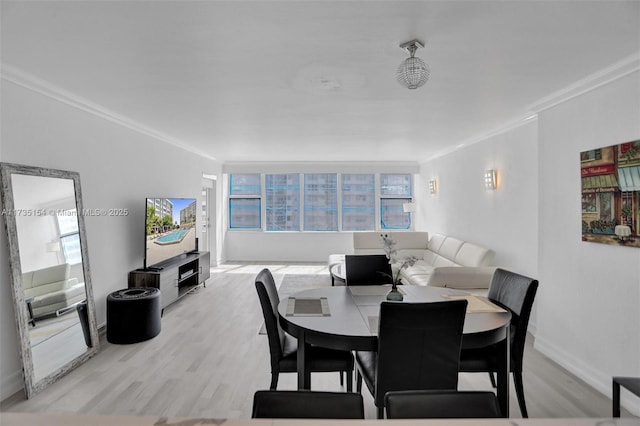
[407, 197]
[297, 209]
[318, 191]
[67, 235]
[256, 196]
[350, 206]
[379, 196]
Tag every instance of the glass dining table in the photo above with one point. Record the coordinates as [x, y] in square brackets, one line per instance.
[346, 318]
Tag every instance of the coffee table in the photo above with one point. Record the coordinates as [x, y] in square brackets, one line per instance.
[351, 324]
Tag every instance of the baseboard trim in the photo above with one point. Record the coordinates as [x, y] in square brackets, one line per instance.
[596, 379]
[11, 383]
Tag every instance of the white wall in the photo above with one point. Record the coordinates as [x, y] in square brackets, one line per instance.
[118, 168]
[587, 310]
[294, 246]
[504, 219]
[589, 298]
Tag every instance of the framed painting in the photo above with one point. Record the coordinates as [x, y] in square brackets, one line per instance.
[610, 178]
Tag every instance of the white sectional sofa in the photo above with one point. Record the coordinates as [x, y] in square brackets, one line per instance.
[442, 261]
[52, 289]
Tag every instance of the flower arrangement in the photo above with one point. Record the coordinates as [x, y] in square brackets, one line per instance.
[389, 247]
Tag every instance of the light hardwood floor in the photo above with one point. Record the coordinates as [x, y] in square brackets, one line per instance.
[209, 360]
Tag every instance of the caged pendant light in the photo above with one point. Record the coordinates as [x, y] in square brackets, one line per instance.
[412, 72]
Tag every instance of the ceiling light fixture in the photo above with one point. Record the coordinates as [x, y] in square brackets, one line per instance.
[412, 72]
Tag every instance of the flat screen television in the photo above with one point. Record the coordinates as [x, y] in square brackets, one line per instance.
[170, 229]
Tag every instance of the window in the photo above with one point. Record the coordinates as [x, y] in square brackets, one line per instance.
[316, 202]
[321, 202]
[283, 202]
[245, 202]
[395, 191]
[69, 236]
[358, 202]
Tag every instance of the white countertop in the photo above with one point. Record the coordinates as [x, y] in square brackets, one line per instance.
[37, 419]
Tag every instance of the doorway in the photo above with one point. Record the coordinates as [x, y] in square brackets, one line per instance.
[208, 216]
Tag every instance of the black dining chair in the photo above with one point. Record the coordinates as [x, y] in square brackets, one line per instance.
[632, 384]
[515, 293]
[284, 348]
[367, 269]
[418, 348]
[305, 404]
[441, 404]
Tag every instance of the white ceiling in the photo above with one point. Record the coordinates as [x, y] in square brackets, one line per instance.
[315, 80]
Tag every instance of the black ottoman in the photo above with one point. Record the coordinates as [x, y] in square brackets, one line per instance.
[133, 315]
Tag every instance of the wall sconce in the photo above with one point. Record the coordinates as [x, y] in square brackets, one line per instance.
[433, 186]
[490, 181]
[409, 207]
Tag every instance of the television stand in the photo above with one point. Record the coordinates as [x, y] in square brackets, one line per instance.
[176, 277]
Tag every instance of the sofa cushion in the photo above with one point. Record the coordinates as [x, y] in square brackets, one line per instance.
[368, 251]
[431, 254]
[419, 280]
[410, 240]
[473, 255]
[404, 253]
[371, 242]
[58, 301]
[462, 277]
[429, 257]
[450, 247]
[418, 274]
[66, 296]
[441, 261]
[418, 268]
[43, 289]
[436, 242]
[50, 274]
[366, 240]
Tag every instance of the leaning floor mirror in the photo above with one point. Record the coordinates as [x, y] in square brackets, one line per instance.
[49, 269]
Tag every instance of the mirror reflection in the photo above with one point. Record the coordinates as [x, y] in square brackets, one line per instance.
[49, 271]
[51, 268]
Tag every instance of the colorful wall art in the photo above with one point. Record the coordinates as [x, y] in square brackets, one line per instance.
[611, 194]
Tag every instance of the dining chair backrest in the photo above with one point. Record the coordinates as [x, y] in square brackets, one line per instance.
[307, 405]
[367, 269]
[516, 293]
[418, 346]
[269, 300]
[439, 404]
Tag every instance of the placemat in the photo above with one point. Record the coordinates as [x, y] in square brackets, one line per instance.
[475, 303]
[371, 290]
[308, 307]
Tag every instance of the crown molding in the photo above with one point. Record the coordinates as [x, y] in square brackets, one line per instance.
[614, 72]
[513, 124]
[620, 69]
[35, 84]
[321, 167]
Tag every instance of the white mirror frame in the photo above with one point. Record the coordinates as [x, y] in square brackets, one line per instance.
[31, 385]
